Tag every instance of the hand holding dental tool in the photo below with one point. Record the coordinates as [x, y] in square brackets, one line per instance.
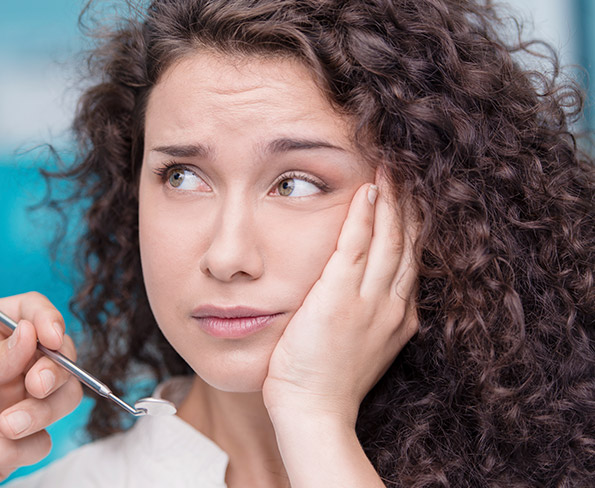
[144, 406]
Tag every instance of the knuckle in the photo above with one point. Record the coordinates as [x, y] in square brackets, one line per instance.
[35, 296]
[41, 305]
[355, 256]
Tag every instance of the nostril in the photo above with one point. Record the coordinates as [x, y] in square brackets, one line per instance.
[228, 265]
[232, 249]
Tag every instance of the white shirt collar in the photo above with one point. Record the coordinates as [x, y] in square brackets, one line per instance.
[172, 444]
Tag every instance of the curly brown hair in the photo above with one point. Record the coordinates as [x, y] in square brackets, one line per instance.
[497, 388]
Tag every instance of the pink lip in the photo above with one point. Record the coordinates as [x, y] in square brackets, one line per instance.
[232, 323]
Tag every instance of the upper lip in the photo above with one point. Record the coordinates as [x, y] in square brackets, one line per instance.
[228, 312]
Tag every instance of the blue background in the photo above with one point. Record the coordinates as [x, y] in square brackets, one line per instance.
[39, 73]
[39, 40]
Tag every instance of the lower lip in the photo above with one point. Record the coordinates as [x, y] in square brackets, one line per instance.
[234, 328]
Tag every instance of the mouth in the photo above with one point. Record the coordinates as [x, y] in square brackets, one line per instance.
[234, 322]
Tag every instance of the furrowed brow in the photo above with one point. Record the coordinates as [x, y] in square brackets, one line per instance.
[277, 146]
[184, 150]
[288, 144]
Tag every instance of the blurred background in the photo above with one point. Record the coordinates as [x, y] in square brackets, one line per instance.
[40, 70]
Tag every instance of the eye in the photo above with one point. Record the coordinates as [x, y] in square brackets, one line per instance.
[182, 178]
[298, 186]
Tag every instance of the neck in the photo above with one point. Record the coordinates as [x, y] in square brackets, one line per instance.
[240, 425]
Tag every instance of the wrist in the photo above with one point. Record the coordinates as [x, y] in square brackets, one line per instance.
[289, 407]
[317, 433]
[305, 421]
[308, 417]
[322, 450]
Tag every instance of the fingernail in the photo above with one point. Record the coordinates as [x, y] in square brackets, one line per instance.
[57, 330]
[14, 338]
[18, 421]
[47, 380]
[372, 194]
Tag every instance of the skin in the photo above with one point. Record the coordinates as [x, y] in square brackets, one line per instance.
[330, 260]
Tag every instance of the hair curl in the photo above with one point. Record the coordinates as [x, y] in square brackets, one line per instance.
[497, 388]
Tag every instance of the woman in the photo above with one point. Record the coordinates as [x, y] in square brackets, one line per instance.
[361, 227]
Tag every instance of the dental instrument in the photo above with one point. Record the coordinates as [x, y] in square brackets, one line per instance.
[144, 406]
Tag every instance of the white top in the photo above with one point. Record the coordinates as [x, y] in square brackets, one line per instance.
[156, 451]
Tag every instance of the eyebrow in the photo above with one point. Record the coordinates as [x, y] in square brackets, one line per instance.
[287, 144]
[183, 151]
[281, 145]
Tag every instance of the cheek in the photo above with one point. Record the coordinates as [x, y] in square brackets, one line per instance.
[166, 246]
[152, 255]
[302, 245]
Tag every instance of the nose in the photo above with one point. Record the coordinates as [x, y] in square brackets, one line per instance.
[233, 251]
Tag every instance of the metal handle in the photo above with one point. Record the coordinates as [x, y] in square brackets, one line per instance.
[86, 378]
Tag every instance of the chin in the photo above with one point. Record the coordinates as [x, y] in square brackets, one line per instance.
[235, 374]
[239, 366]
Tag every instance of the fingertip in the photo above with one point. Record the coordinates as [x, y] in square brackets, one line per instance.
[385, 185]
[372, 193]
[51, 332]
[69, 348]
[58, 330]
[25, 333]
[18, 351]
[4, 429]
[13, 340]
[44, 378]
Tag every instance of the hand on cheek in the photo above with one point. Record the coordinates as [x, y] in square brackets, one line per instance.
[355, 320]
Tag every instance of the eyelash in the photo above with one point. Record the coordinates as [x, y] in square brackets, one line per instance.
[305, 177]
[163, 173]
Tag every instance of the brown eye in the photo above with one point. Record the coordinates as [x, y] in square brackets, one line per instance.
[286, 187]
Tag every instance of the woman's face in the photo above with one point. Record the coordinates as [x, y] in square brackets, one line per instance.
[246, 180]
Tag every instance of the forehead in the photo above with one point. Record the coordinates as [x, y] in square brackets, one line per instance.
[214, 87]
[237, 72]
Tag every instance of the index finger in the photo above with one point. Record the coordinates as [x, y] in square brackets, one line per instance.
[389, 240]
[37, 309]
[17, 351]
